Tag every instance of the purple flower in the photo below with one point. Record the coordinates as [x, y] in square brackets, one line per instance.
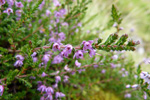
[95, 66]
[52, 40]
[56, 3]
[112, 65]
[115, 57]
[55, 85]
[19, 57]
[123, 75]
[32, 77]
[49, 96]
[69, 48]
[128, 86]
[92, 53]
[41, 64]
[57, 14]
[57, 79]
[56, 47]
[19, 4]
[60, 13]
[145, 96]
[55, 73]
[18, 18]
[52, 21]
[18, 13]
[66, 78]
[80, 24]
[18, 63]
[34, 54]
[77, 30]
[8, 11]
[81, 70]
[62, 36]
[132, 30]
[39, 83]
[59, 95]
[73, 72]
[46, 58]
[10, 2]
[67, 68]
[48, 13]
[2, 2]
[40, 21]
[128, 95]
[147, 60]
[135, 76]
[1, 90]
[44, 74]
[66, 51]
[121, 28]
[42, 88]
[135, 86]
[143, 75]
[78, 54]
[126, 73]
[88, 31]
[57, 59]
[63, 12]
[42, 98]
[115, 24]
[123, 69]
[64, 24]
[57, 20]
[50, 90]
[87, 45]
[42, 5]
[29, 0]
[103, 71]
[77, 63]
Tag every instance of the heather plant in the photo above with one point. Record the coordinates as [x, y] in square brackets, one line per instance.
[45, 55]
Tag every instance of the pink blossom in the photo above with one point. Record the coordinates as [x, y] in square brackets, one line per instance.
[48, 12]
[78, 54]
[77, 63]
[8, 11]
[56, 3]
[19, 4]
[1, 90]
[56, 47]
[18, 13]
[2, 2]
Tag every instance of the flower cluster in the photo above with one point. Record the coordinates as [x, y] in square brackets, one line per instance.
[9, 10]
[49, 92]
[146, 77]
[19, 61]
[1, 90]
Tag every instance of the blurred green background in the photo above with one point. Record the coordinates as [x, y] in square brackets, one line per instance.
[136, 23]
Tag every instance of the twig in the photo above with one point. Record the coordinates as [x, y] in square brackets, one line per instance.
[31, 33]
[44, 47]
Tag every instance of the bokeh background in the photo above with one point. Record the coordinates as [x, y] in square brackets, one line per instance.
[136, 23]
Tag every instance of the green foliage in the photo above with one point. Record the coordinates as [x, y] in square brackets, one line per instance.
[115, 15]
[25, 82]
[31, 34]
